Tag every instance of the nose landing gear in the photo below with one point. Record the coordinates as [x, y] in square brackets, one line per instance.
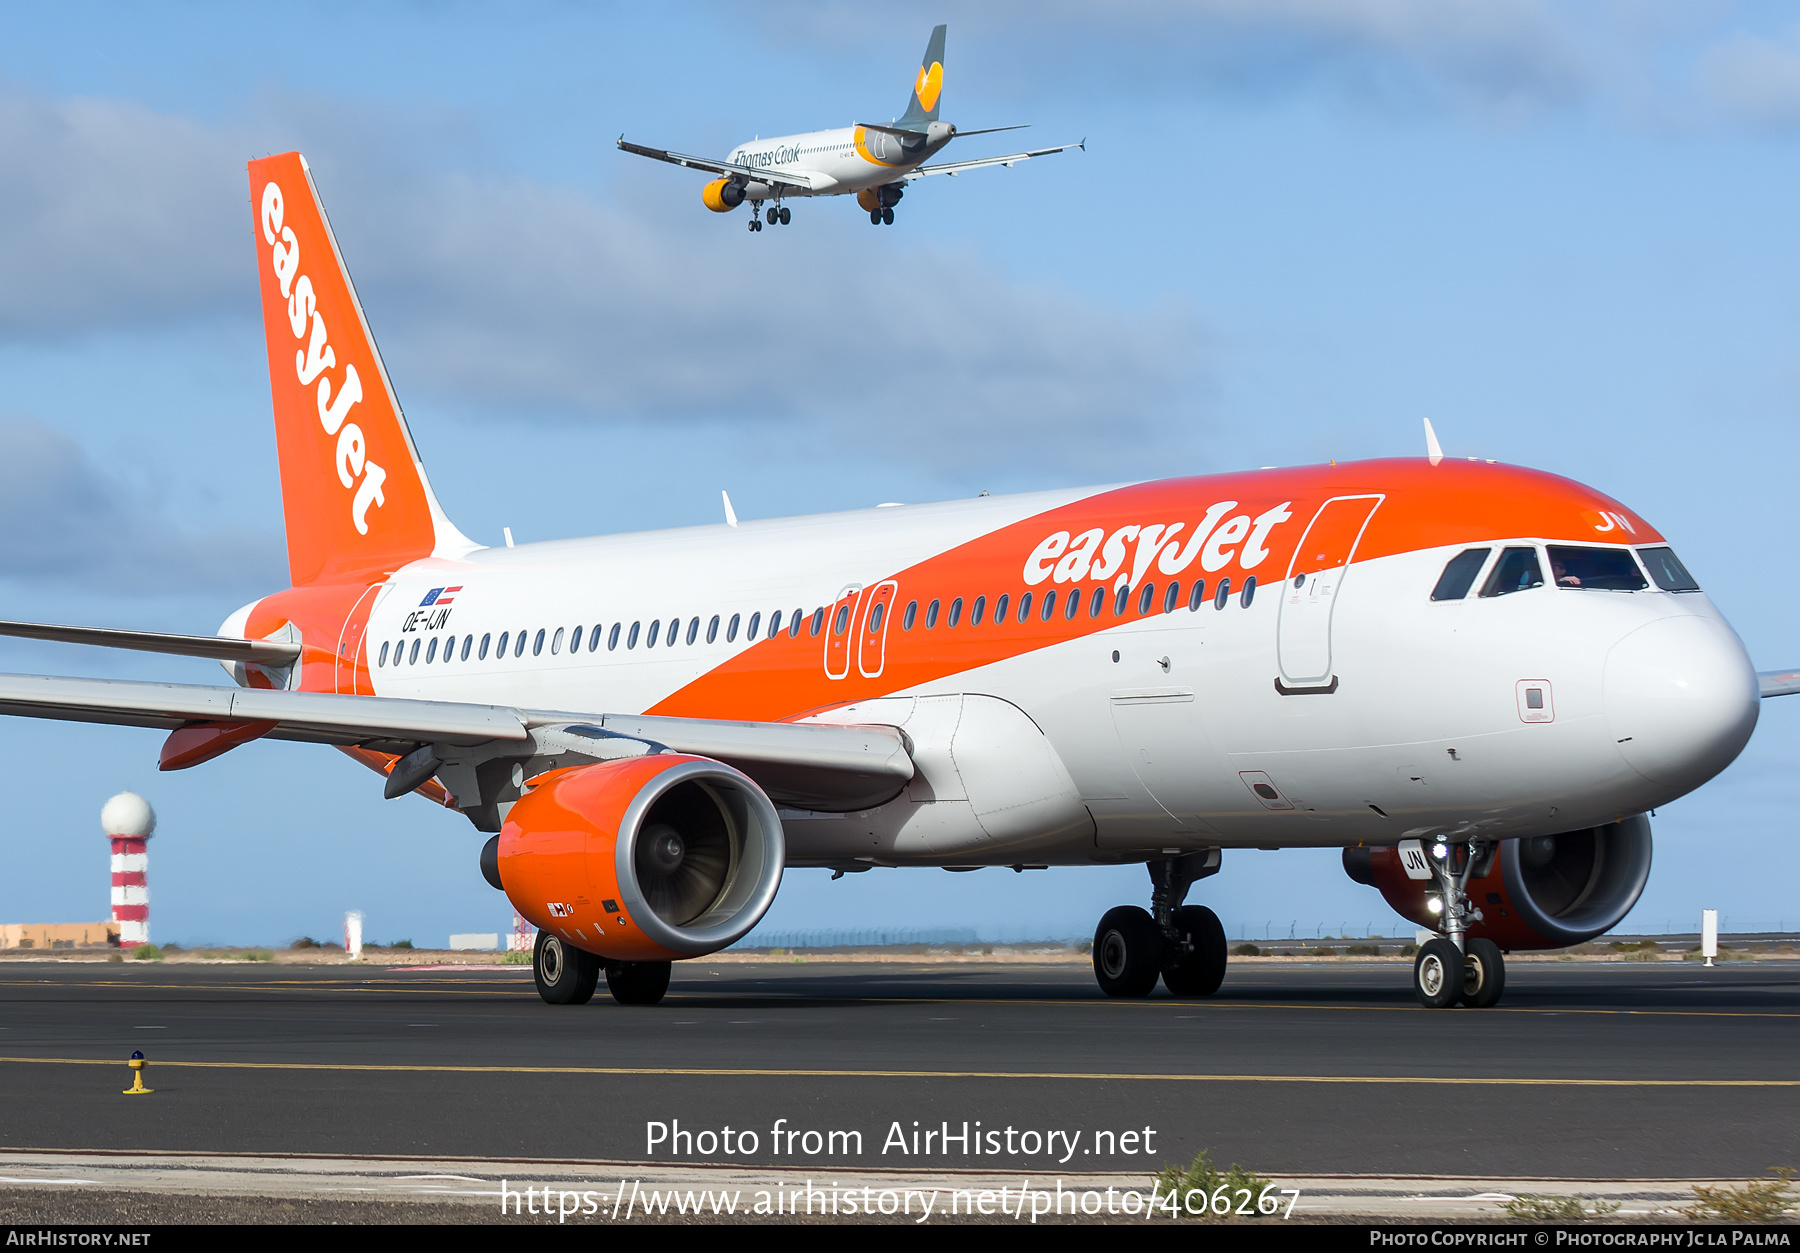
[1184, 945]
[1455, 968]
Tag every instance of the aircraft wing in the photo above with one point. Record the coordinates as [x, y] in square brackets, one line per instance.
[1011, 158]
[808, 766]
[1779, 682]
[726, 168]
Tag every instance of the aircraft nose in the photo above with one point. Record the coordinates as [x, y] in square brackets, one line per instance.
[1681, 699]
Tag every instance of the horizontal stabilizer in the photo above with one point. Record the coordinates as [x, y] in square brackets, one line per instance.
[219, 648]
[1779, 682]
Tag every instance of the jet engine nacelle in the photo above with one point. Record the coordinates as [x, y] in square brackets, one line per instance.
[1542, 891]
[722, 195]
[652, 858]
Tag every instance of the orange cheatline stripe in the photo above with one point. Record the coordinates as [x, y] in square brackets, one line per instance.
[797, 1073]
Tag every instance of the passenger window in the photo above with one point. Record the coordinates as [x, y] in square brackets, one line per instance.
[1223, 594]
[675, 630]
[1459, 574]
[412, 657]
[1096, 602]
[1048, 610]
[449, 647]
[755, 626]
[931, 616]
[555, 641]
[775, 624]
[468, 645]
[840, 621]
[1666, 569]
[976, 612]
[1121, 600]
[612, 637]
[655, 633]
[504, 637]
[1145, 596]
[875, 616]
[631, 639]
[1596, 569]
[818, 619]
[1516, 571]
[575, 642]
[1197, 597]
[693, 631]
[431, 652]
[594, 638]
[1172, 597]
[795, 622]
[1025, 607]
[537, 645]
[712, 629]
[1249, 592]
[384, 653]
[731, 630]
[1000, 607]
[955, 612]
[906, 619]
[485, 639]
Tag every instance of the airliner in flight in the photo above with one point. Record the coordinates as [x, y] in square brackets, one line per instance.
[869, 161]
[1477, 680]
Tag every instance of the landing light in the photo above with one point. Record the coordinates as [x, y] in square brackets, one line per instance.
[1440, 851]
[1435, 905]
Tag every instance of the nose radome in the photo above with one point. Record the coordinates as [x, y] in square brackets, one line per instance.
[1681, 699]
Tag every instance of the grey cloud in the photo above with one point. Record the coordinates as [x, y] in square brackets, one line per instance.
[1496, 57]
[65, 520]
[114, 215]
[1755, 79]
[507, 297]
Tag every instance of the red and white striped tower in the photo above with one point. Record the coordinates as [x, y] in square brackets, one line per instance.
[128, 822]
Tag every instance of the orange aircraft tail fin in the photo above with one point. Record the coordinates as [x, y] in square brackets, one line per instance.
[354, 493]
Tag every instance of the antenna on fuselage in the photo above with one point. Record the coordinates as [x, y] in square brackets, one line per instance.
[1434, 451]
[730, 513]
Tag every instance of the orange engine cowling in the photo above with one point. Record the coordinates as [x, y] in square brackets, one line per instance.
[652, 858]
[1543, 891]
[722, 195]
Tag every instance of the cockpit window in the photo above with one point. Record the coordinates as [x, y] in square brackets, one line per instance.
[1596, 569]
[1516, 571]
[1666, 569]
[1459, 575]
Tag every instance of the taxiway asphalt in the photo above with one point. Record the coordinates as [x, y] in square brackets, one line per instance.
[1586, 1071]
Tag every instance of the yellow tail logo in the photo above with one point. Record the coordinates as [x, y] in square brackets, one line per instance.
[929, 83]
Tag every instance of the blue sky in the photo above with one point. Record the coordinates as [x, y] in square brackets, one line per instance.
[1562, 232]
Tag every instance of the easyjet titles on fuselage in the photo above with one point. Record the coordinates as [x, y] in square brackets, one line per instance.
[1094, 554]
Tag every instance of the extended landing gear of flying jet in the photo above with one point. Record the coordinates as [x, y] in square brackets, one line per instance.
[1455, 968]
[779, 215]
[1184, 945]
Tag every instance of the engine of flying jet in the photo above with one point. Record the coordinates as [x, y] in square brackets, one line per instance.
[722, 195]
[652, 858]
[1545, 891]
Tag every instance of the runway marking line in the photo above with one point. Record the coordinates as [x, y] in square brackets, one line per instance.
[346, 985]
[794, 1073]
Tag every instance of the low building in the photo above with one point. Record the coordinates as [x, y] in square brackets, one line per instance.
[53, 935]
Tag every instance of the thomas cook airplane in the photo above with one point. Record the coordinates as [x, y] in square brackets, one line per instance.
[872, 163]
[1477, 680]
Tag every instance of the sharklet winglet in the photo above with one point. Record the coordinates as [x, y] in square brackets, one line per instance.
[1434, 451]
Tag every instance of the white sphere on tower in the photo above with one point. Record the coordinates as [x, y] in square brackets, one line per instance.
[128, 814]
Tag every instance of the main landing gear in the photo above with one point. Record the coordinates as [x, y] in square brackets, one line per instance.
[1183, 945]
[779, 215]
[566, 975]
[881, 217]
[1455, 968]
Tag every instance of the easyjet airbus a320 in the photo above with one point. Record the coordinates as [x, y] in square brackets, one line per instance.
[873, 163]
[1474, 679]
